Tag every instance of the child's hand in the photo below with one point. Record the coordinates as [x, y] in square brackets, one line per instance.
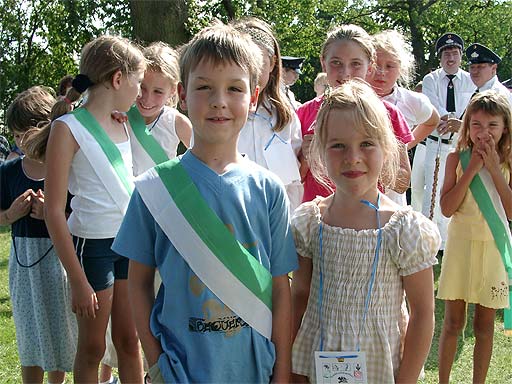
[491, 159]
[38, 206]
[21, 206]
[119, 117]
[83, 300]
[475, 162]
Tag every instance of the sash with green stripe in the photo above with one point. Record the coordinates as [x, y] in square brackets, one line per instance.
[489, 202]
[210, 249]
[145, 138]
[107, 145]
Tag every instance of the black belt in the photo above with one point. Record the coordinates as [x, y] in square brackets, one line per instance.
[435, 138]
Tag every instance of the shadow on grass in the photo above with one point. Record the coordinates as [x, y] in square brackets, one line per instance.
[432, 361]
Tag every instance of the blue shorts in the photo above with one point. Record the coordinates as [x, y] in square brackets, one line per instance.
[100, 263]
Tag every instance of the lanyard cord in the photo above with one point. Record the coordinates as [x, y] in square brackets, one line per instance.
[35, 262]
[156, 120]
[370, 284]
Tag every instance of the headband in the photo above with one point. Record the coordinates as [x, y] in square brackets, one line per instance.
[81, 82]
[261, 38]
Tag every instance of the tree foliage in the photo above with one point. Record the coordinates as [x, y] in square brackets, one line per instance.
[40, 40]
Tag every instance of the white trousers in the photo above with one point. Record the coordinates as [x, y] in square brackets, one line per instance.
[422, 180]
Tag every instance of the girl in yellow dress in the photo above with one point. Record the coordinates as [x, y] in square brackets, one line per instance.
[473, 269]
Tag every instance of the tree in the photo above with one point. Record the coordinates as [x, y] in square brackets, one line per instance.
[160, 21]
[40, 41]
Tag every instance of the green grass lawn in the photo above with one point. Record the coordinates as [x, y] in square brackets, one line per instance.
[500, 370]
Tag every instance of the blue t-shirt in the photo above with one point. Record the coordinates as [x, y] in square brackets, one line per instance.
[202, 339]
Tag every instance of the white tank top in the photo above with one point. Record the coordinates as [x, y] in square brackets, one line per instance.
[163, 130]
[95, 214]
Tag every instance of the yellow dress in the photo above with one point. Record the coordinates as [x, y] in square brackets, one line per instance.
[472, 269]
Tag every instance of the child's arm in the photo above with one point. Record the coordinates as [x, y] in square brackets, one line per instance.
[419, 289]
[492, 163]
[19, 208]
[403, 177]
[183, 129]
[281, 334]
[301, 283]
[424, 129]
[453, 191]
[59, 154]
[142, 298]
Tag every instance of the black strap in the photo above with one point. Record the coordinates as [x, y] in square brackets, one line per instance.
[35, 262]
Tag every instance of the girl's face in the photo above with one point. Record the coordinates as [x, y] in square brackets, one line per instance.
[268, 66]
[386, 73]
[354, 160]
[129, 90]
[345, 60]
[484, 126]
[155, 92]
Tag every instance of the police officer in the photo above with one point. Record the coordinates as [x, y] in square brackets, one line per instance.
[449, 89]
[291, 71]
[483, 64]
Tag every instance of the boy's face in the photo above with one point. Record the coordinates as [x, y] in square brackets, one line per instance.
[218, 99]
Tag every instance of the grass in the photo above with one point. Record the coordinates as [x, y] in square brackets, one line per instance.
[500, 370]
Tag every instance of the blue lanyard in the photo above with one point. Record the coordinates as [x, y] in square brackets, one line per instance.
[370, 284]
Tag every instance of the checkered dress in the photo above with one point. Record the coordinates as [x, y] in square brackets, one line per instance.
[409, 245]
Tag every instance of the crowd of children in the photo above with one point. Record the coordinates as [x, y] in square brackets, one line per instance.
[100, 204]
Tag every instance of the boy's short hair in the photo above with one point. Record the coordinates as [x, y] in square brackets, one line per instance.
[219, 44]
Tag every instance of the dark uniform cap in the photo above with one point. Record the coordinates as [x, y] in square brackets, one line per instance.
[292, 62]
[449, 40]
[478, 53]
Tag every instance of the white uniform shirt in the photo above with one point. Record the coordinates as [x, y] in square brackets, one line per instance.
[435, 85]
[415, 106]
[496, 85]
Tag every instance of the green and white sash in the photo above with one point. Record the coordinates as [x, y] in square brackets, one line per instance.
[148, 146]
[102, 154]
[488, 200]
[203, 240]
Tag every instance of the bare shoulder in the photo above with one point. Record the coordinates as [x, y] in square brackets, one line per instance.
[182, 121]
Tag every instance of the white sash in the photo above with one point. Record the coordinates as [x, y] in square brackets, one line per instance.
[210, 270]
[99, 162]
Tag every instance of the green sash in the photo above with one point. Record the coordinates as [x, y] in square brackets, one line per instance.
[107, 145]
[210, 249]
[144, 137]
[482, 188]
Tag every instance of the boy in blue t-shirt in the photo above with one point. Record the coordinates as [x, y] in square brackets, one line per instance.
[240, 333]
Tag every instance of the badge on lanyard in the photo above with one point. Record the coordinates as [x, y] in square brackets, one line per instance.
[340, 367]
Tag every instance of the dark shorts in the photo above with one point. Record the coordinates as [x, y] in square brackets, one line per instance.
[100, 263]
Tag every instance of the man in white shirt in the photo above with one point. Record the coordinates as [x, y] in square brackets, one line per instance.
[449, 89]
[291, 72]
[483, 64]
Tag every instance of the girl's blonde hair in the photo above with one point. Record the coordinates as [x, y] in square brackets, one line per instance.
[161, 58]
[395, 44]
[494, 104]
[365, 113]
[350, 32]
[30, 112]
[100, 59]
[261, 33]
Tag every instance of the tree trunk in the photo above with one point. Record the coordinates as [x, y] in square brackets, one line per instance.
[160, 20]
